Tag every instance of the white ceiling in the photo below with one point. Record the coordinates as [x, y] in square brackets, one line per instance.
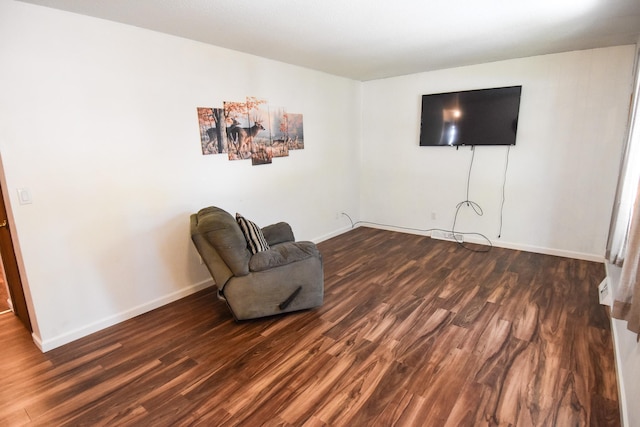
[371, 39]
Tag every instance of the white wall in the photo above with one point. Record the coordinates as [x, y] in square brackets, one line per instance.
[562, 173]
[98, 120]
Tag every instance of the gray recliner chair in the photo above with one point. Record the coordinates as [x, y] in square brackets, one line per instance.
[281, 277]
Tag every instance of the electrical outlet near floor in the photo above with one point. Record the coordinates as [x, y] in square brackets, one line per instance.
[603, 293]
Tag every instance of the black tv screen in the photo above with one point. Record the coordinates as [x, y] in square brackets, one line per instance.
[472, 117]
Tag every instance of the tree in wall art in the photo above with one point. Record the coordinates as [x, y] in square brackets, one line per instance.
[238, 130]
[278, 124]
[213, 136]
[295, 133]
[250, 130]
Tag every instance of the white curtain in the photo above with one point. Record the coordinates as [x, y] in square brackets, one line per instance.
[623, 247]
[627, 184]
[626, 303]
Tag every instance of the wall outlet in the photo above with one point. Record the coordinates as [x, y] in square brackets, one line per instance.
[604, 294]
[447, 235]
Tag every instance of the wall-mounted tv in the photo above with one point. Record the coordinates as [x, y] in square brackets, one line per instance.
[471, 117]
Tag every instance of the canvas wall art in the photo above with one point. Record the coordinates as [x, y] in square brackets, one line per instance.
[250, 129]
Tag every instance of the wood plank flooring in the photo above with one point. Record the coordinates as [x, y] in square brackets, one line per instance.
[413, 332]
[4, 295]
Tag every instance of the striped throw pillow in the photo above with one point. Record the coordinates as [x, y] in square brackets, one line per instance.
[253, 235]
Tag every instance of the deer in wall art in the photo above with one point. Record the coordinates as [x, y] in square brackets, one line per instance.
[242, 136]
[238, 136]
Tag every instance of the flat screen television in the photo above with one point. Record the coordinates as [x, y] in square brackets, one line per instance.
[471, 117]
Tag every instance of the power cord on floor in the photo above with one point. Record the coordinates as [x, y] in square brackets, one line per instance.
[425, 230]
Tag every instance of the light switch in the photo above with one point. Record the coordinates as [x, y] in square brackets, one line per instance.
[24, 196]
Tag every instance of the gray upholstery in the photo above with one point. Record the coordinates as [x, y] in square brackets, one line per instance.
[287, 277]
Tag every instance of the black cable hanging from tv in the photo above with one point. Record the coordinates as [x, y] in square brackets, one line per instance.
[504, 185]
[476, 208]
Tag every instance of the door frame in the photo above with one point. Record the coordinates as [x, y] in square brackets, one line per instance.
[11, 268]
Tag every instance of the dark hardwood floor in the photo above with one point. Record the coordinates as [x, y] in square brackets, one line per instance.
[413, 332]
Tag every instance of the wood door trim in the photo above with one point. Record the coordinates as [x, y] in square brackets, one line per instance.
[12, 272]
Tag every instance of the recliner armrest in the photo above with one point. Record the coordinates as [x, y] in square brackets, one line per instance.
[278, 233]
[283, 254]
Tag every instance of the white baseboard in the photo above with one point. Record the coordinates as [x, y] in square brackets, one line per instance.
[621, 346]
[470, 238]
[545, 251]
[330, 235]
[67, 337]
[617, 329]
